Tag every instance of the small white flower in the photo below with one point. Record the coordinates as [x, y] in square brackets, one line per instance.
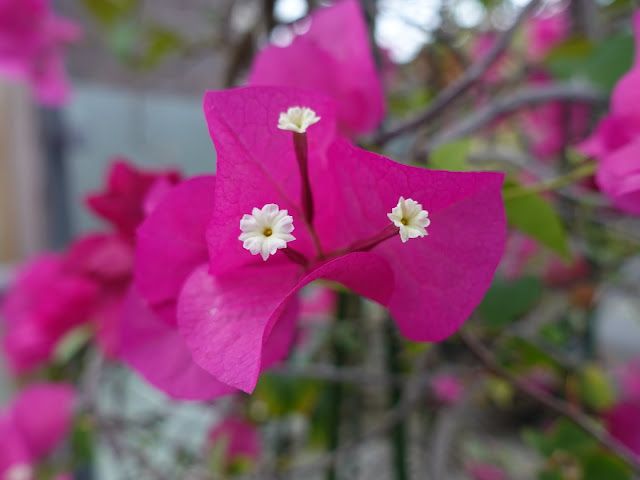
[409, 216]
[267, 230]
[19, 471]
[297, 119]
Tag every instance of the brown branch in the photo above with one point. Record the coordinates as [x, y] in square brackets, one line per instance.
[556, 405]
[526, 97]
[463, 83]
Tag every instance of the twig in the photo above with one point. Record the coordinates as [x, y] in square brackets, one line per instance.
[463, 83]
[556, 405]
[355, 375]
[527, 97]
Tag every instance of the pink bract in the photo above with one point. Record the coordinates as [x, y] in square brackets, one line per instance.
[545, 32]
[122, 202]
[227, 310]
[240, 438]
[171, 247]
[45, 302]
[447, 388]
[616, 144]
[623, 423]
[35, 424]
[32, 39]
[334, 57]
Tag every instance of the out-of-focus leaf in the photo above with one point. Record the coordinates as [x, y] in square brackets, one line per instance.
[500, 391]
[451, 156]
[508, 301]
[71, 344]
[600, 466]
[596, 389]
[535, 217]
[107, 12]
[524, 354]
[602, 64]
[160, 43]
[122, 39]
[285, 395]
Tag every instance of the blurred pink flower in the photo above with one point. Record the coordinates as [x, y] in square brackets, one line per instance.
[241, 439]
[623, 423]
[34, 425]
[122, 203]
[229, 307]
[447, 388]
[616, 140]
[86, 284]
[480, 47]
[333, 56]
[46, 301]
[554, 125]
[485, 471]
[544, 32]
[32, 39]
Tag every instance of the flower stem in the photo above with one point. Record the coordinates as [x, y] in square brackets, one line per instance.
[336, 388]
[583, 171]
[558, 406]
[302, 154]
[398, 434]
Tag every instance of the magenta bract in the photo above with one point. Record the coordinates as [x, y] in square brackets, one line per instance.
[35, 424]
[616, 143]
[333, 56]
[32, 39]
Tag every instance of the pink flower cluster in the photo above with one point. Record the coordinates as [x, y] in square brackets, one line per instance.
[616, 140]
[623, 419]
[32, 38]
[33, 426]
[56, 292]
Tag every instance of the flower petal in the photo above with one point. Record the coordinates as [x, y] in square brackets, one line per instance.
[225, 319]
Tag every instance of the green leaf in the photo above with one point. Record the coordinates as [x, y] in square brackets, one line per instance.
[601, 64]
[161, 42]
[505, 302]
[451, 156]
[595, 388]
[600, 466]
[535, 217]
[107, 12]
[72, 343]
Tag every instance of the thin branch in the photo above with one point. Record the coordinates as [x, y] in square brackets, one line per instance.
[556, 405]
[463, 83]
[527, 97]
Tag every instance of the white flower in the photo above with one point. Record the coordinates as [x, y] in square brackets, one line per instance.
[409, 216]
[266, 230]
[19, 471]
[297, 119]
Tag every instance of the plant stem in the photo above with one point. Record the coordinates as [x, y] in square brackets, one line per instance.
[398, 433]
[336, 389]
[583, 171]
[554, 404]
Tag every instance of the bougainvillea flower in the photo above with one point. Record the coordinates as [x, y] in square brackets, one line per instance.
[485, 471]
[480, 47]
[333, 56]
[45, 302]
[227, 309]
[554, 125]
[122, 202]
[544, 32]
[239, 439]
[615, 142]
[171, 245]
[34, 425]
[447, 388]
[32, 39]
[623, 423]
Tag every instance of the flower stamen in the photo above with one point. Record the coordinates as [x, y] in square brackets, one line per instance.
[266, 230]
[410, 218]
